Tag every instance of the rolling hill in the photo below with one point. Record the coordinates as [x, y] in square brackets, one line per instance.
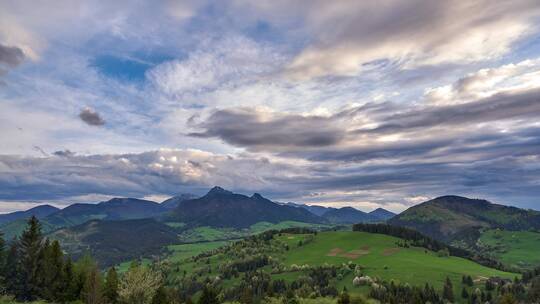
[222, 208]
[447, 217]
[301, 257]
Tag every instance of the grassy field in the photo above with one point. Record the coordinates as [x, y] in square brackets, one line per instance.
[377, 254]
[515, 248]
[205, 233]
[123, 267]
[380, 256]
[184, 251]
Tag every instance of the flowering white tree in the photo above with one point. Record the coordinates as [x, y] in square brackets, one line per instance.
[139, 285]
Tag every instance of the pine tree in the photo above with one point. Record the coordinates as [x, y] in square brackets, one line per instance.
[448, 291]
[43, 272]
[3, 258]
[13, 270]
[110, 290]
[30, 247]
[57, 270]
[70, 285]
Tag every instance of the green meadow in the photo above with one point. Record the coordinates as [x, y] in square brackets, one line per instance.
[378, 255]
[519, 249]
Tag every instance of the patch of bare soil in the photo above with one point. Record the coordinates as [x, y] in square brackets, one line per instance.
[334, 252]
[390, 251]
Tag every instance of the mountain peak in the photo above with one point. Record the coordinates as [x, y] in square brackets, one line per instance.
[257, 196]
[218, 190]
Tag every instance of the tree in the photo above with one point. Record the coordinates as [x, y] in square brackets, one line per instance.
[83, 269]
[13, 270]
[30, 247]
[70, 285]
[43, 272]
[344, 298]
[464, 293]
[3, 258]
[534, 291]
[57, 270]
[92, 290]
[110, 291]
[161, 296]
[208, 296]
[467, 280]
[448, 291]
[507, 299]
[139, 285]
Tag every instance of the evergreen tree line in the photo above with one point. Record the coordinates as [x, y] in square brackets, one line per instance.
[32, 267]
[419, 240]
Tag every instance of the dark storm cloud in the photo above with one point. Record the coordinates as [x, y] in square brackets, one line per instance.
[249, 128]
[64, 153]
[91, 117]
[341, 137]
[11, 55]
[499, 107]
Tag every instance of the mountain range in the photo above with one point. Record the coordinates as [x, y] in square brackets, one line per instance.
[218, 208]
[346, 215]
[222, 208]
[124, 228]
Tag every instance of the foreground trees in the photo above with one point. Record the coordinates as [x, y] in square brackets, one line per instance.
[34, 268]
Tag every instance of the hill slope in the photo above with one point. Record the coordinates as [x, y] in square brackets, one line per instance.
[114, 209]
[111, 242]
[174, 201]
[296, 256]
[445, 217]
[222, 208]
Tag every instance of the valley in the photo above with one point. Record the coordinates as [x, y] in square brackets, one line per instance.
[226, 240]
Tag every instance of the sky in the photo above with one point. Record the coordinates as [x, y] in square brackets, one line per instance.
[337, 103]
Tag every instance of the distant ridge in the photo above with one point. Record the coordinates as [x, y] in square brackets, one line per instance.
[40, 212]
[114, 209]
[382, 214]
[174, 201]
[348, 215]
[223, 208]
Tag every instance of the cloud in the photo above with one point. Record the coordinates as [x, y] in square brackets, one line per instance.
[231, 60]
[487, 82]
[347, 36]
[91, 117]
[10, 55]
[263, 129]
[500, 107]
[64, 153]
[503, 176]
